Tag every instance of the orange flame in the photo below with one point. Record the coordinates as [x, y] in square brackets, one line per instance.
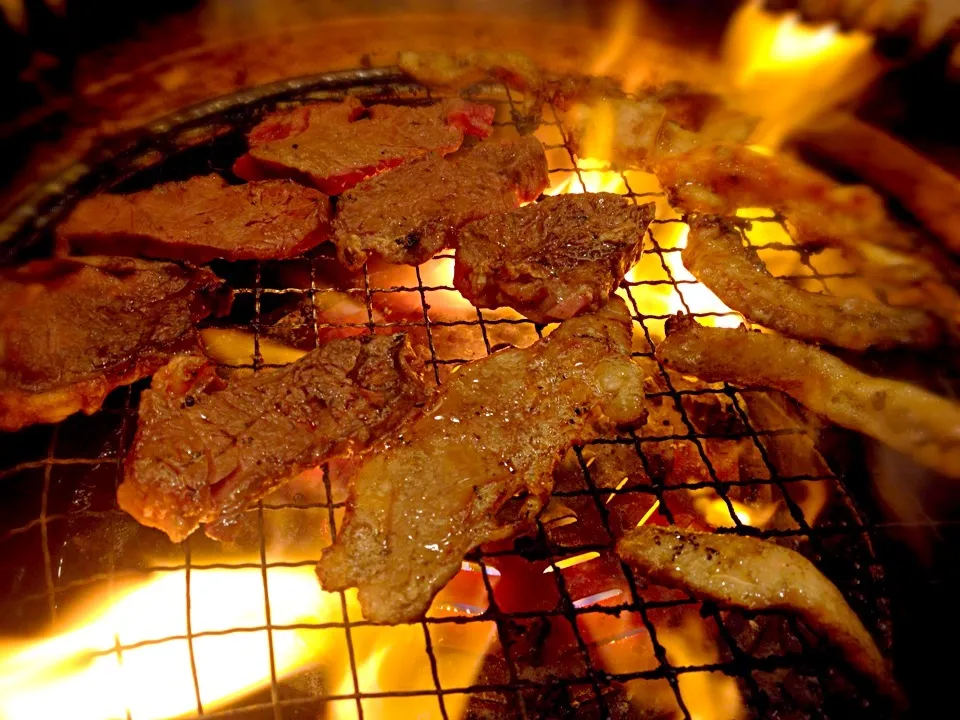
[69, 676]
[77, 673]
[707, 695]
[789, 72]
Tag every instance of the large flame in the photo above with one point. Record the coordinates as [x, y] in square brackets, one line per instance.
[789, 72]
[80, 674]
[75, 674]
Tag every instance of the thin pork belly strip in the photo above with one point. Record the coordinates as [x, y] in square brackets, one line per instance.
[755, 574]
[905, 417]
[717, 257]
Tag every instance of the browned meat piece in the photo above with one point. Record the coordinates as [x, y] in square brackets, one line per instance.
[477, 463]
[716, 255]
[755, 574]
[206, 450]
[905, 417]
[201, 219]
[335, 146]
[553, 259]
[408, 215]
[72, 330]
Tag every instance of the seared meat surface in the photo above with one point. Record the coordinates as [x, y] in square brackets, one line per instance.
[554, 259]
[73, 329]
[905, 417]
[476, 464]
[408, 215]
[206, 449]
[335, 146]
[201, 219]
[716, 255]
[754, 574]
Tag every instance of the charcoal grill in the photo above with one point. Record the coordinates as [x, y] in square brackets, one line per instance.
[65, 535]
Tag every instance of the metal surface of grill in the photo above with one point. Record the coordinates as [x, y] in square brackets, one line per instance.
[572, 631]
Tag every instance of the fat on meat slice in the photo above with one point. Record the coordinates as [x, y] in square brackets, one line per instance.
[201, 219]
[333, 146]
[476, 463]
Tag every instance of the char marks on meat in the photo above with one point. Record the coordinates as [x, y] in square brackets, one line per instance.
[408, 215]
[759, 575]
[202, 219]
[476, 464]
[73, 329]
[554, 259]
[715, 254]
[206, 449]
[335, 146]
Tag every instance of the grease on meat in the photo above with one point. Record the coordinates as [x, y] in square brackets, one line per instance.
[206, 449]
[477, 463]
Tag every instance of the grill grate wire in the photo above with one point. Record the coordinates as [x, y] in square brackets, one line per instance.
[589, 693]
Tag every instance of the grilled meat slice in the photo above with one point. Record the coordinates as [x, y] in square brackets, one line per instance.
[201, 219]
[408, 215]
[554, 259]
[73, 329]
[477, 463]
[755, 574]
[905, 417]
[205, 450]
[715, 254]
[335, 146]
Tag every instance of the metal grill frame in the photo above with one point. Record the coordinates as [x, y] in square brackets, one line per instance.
[21, 233]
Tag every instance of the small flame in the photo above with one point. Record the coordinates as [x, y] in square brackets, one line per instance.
[707, 695]
[716, 513]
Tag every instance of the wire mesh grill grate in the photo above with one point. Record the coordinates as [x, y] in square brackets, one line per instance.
[576, 655]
